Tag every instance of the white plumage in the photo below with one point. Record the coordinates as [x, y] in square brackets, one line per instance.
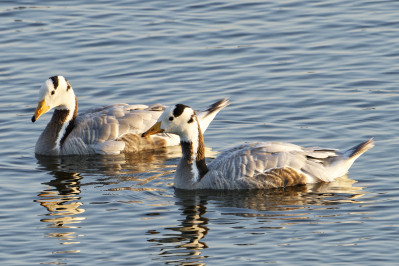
[110, 129]
[259, 165]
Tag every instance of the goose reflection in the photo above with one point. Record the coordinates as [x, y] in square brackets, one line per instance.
[62, 195]
[185, 243]
[62, 199]
[289, 198]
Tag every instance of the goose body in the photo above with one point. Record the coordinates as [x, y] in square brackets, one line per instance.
[110, 129]
[260, 165]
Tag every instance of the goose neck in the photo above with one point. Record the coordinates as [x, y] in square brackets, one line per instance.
[57, 130]
[194, 156]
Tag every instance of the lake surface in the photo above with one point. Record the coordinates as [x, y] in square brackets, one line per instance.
[307, 72]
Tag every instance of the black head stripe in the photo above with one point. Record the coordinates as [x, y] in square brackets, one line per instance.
[68, 85]
[179, 109]
[55, 81]
[191, 119]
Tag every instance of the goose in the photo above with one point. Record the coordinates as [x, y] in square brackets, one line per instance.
[260, 165]
[112, 129]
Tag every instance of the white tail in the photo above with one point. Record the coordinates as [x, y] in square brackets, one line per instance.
[207, 115]
[341, 164]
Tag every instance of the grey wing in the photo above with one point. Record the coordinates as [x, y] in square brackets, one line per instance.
[320, 164]
[249, 159]
[99, 129]
[137, 119]
[260, 165]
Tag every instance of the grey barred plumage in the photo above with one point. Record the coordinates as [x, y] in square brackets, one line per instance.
[259, 165]
[112, 129]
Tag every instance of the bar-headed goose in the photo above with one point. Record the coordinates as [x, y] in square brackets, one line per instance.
[259, 165]
[110, 129]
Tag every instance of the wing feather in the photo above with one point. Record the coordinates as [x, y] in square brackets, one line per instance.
[99, 129]
[280, 163]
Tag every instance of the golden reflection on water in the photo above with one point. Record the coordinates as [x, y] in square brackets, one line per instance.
[61, 198]
[183, 244]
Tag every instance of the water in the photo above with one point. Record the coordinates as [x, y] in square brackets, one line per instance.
[307, 72]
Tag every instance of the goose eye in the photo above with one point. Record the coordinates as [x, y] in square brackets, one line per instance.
[171, 118]
[52, 92]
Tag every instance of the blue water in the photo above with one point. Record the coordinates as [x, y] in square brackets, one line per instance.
[307, 72]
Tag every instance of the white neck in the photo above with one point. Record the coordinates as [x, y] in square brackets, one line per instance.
[67, 101]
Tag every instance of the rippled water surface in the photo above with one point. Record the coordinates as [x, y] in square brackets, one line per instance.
[315, 73]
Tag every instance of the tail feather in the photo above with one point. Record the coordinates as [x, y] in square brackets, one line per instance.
[206, 116]
[354, 152]
[341, 164]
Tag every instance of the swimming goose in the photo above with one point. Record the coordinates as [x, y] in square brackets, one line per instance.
[110, 129]
[258, 165]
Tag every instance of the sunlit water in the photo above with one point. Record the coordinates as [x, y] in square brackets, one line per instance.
[308, 72]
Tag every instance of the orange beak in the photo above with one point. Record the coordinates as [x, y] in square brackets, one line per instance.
[42, 108]
[156, 128]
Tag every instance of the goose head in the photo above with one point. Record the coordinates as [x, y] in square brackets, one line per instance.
[56, 92]
[178, 119]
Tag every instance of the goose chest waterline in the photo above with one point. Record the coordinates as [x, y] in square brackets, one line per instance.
[260, 165]
[112, 129]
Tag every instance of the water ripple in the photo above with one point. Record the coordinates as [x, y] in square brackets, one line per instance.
[311, 73]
